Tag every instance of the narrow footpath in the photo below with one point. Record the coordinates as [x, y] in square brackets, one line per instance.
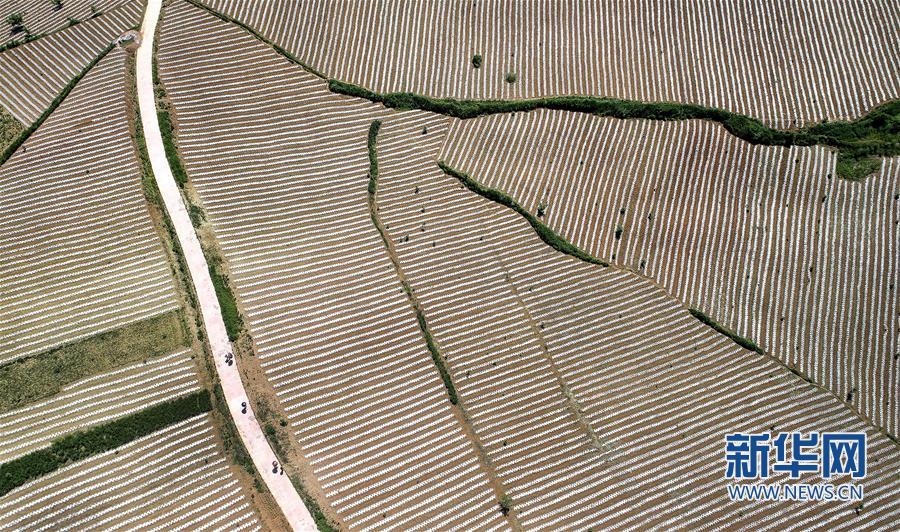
[248, 428]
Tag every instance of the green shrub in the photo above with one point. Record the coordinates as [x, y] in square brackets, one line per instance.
[506, 504]
[511, 77]
[476, 60]
[15, 21]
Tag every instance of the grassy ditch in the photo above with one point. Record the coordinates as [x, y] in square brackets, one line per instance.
[23, 136]
[167, 129]
[877, 134]
[420, 315]
[83, 444]
[736, 338]
[30, 379]
[227, 302]
[549, 236]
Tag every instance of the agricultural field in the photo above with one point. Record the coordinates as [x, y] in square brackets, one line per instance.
[785, 62]
[174, 479]
[102, 384]
[80, 253]
[570, 370]
[767, 240]
[34, 74]
[40, 18]
[333, 330]
[466, 265]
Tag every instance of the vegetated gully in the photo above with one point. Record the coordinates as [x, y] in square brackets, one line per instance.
[859, 143]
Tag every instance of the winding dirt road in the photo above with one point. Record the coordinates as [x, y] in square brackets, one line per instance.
[248, 427]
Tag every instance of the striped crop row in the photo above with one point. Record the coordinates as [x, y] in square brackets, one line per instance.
[280, 165]
[79, 251]
[33, 74]
[174, 479]
[41, 16]
[96, 400]
[788, 62]
[599, 399]
[763, 239]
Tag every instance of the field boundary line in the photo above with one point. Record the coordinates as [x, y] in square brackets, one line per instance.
[506, 504]
[248, 428]
[503, 199]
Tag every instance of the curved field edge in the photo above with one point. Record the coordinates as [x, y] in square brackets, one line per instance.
[505, 502]
[859, 142]
[502, 198]
[83, 444]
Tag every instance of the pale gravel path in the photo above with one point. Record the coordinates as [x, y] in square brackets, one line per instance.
[248, 428]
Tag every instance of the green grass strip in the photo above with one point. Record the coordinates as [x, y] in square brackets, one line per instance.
[83, 444]
[11, 149]
[227, 302]
[877, 134]
[32, 378]
[549, 236]
[436, 356]
[736, 338]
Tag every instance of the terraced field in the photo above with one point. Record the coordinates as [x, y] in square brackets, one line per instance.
[763, 239]
[173, 479]
[580, 394]
[33, 74]
[788, 62]
[96, 400]
[598, 398]
[40, 17]
[79, 251]
[331, 325]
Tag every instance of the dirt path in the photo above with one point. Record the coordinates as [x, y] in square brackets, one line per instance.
[248, 428]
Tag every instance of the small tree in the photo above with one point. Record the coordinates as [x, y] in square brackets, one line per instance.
[476, 60]
[506, 504]
[511, 77]
[15, 21]
[57, 4]
[542, 208]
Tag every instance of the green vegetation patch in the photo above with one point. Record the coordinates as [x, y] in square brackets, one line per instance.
[227, 302]
[549, 236]
[736, 338]
[43, 375]
[83, 444]
[23, 136]
[10, 128]
[876, 134]
[167, 129]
